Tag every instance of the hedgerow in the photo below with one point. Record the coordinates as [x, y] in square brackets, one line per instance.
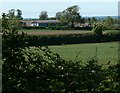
[41, 40]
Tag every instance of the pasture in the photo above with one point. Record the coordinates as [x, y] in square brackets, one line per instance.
[104, 52]
[62, 32]
[55, 32]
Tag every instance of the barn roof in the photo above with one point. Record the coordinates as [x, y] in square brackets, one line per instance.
[41, 21]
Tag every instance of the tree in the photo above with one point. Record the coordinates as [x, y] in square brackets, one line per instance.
[43, 15]
[11, 13]
[71, 15]
[19, 14]
[93, 20]
[58, 15]
[4, 21]
[108, 22]
[15, 13]
[98, 28]
[10, 20]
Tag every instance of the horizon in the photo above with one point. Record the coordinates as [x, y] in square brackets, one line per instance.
[87, 9]
[83, 17]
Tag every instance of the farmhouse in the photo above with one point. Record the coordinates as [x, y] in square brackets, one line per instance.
[44, 23]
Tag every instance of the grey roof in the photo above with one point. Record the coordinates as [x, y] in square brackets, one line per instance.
[41, 21]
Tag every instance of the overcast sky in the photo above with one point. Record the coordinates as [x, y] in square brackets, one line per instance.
[33, 9]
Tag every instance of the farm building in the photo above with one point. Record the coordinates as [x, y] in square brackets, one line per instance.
[44, 23]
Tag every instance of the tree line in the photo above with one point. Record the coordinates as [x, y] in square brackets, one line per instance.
[70, 16]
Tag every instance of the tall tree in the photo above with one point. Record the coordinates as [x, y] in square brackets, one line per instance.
[71, 15]
[19, 14]
[43, 15]
[11, 13]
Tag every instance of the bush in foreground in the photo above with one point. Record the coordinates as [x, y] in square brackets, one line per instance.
[26, 71]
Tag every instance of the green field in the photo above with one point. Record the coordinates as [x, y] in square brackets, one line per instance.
[105, 52]
[56, 32]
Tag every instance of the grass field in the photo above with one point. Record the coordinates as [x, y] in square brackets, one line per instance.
[56, 32]
[105, 52]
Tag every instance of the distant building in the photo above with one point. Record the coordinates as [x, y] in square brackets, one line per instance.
[44, 23]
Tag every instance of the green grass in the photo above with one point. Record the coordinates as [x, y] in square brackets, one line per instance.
[54, 32]
[47, 30]
[105, 52]
[36, 30]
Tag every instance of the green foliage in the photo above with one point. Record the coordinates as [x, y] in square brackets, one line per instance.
[70, 15]
[19, 14]
[112, 78]
[58, 15]
[91, 20]
[114, 27]
[98, 28]
[43, 15]
[60, 39]
[109, 21]
[10, 20]
[41, 40]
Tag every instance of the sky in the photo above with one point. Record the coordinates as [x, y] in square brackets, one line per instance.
[33, 9]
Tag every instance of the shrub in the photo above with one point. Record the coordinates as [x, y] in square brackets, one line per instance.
[98, 28]
[115, 27]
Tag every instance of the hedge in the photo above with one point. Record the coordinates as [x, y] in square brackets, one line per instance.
[43, 40]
